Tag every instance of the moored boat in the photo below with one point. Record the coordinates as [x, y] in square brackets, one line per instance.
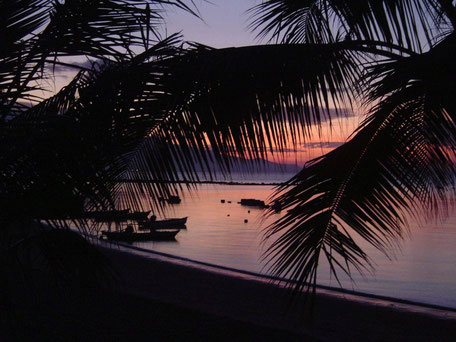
[137, 215]
[176, 223]
[253, 203]
[156, 235]
[107, 215]
[174, 200]
[116, 215]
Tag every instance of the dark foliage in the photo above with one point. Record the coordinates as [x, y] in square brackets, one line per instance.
[154, 107]
[400, 161]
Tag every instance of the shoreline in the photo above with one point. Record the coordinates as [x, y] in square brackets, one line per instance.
[201, 182]
[239, 273]
[265, 304]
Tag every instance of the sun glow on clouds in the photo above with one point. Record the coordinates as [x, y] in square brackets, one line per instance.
[319, 141]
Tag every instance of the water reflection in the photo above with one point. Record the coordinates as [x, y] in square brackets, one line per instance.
[423, 269]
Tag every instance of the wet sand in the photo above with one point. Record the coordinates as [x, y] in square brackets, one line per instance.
[336, 317]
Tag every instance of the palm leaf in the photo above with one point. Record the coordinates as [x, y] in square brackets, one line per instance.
[106, 29]
[188, 110]
[92, 130]
[397, 165]
[253, 95]
[221, 103]
[324, 21]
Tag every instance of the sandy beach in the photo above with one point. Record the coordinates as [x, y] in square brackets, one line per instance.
[164, 298]
[336, 317]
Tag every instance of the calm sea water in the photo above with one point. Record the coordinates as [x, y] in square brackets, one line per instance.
[423, 270]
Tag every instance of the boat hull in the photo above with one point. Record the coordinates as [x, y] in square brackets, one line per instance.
[116, 215]
[253, 203]
[164, 235]
[178, 223]
[137, 215]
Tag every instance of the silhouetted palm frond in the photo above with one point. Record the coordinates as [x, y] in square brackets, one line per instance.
[65, 154]
[188, 107]
[399, 163]
[106, 29]
[325, 21]
[88, 128]
[221, 103]
[253, 95]
[163, 114]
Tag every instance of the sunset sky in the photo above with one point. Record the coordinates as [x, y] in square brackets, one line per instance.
[225, 24]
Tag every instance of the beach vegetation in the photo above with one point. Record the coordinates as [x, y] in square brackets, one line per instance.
[398, 165]
[144, 105]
